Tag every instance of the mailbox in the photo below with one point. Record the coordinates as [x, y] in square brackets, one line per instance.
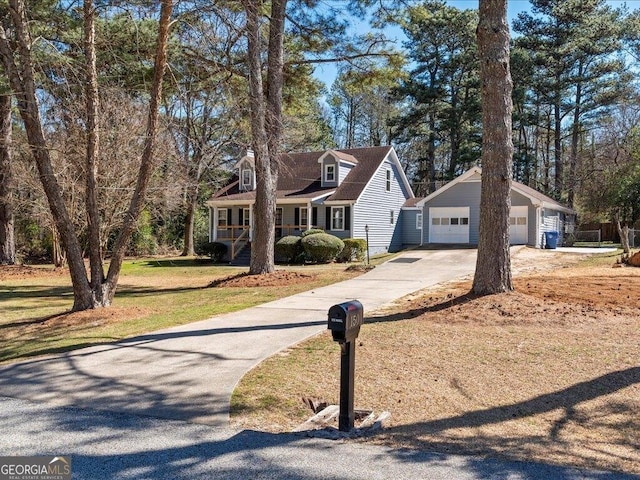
[345, 320]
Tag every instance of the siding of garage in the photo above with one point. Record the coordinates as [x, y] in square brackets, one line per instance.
[410, 234]
[464, 194]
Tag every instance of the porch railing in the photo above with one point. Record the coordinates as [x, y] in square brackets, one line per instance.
[243, 238]
[238, 235]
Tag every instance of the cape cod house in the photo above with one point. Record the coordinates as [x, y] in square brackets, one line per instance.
[344, 192]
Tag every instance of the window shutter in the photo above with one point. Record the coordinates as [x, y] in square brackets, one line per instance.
[296, 215]
[327, 222]
[314, 216]
[241, 216]
[347, 218]
[228, 216]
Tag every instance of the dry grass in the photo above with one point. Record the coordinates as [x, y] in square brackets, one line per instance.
[549, 372]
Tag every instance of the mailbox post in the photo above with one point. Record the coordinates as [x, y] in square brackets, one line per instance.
[345, 320]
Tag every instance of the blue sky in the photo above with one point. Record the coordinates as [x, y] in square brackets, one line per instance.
[327, 72]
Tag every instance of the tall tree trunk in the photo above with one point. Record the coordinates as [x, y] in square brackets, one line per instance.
[623, 233]
[189, 222]
[575, 138]
[93, 139]
[493, 267]
[7, 238]
[147, 162]
[266, 127]
[22, 81]
[557, 148]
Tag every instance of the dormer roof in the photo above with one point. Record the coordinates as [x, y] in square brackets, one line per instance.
[340, 155]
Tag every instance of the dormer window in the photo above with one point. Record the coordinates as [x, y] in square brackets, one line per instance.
[330, 173]
[246, 178]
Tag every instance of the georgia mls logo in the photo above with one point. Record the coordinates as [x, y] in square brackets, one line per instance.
[35, 468]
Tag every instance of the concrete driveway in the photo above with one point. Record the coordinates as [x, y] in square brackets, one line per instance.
[130, 396]
[189, 372]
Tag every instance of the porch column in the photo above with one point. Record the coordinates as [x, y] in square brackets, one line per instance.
[309, 215]
[214, 224]
[251, 222]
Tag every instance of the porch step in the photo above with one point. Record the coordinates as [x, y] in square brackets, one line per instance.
[243, 258]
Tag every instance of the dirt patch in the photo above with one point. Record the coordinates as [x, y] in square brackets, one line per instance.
[20, 272]
[67, 321]
[279, 278]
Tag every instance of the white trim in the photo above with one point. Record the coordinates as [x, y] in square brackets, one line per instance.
[248, 183]
[331, 219]
[336, 154]
[326, 173]
[465, 176]
[224, 218]
[246, 216]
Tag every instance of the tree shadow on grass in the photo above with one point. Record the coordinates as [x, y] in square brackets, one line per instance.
[416, 312]
[439, 434]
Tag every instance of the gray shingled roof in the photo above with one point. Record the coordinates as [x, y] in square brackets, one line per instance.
[299, 176]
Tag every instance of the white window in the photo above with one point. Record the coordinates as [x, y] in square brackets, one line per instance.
[246, 177]
[330, 173]
[435, 221]
[391, 217]
[388, 183]
[222, 218]
[245, 217]
[304, 217]
[419, 221]
[337, 218]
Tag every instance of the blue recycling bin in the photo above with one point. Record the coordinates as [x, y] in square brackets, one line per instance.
[550, 240]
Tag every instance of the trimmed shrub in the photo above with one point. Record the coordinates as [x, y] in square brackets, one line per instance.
[322, 247]
[289, 249]
[311, 231]
[355, 250]
[214, 250]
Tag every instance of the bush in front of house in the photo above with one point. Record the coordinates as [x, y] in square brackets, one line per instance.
[311, 231]
[214, 250]
[289, 249]
[355, 250]
[322, 247]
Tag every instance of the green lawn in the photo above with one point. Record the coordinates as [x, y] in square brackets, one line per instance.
[152, 294]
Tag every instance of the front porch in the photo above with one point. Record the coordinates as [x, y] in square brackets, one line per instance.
[233, 225]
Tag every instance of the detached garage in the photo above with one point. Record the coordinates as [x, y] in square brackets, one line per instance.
[451, 215]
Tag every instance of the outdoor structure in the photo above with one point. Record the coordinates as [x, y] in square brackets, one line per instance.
[344, 192]
[451, 215]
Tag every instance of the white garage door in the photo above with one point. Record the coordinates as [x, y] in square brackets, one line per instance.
[449, 225]
[518, 228]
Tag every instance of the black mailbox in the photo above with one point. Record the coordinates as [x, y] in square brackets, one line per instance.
[345, 320]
